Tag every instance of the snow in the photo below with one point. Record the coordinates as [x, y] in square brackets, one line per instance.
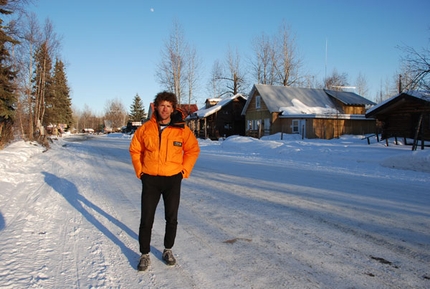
[205, 112]
[299, 107]
[266, 213]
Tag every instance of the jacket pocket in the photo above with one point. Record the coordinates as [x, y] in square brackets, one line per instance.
[174, 150]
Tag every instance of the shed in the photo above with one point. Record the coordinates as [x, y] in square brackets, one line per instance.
[405, 115]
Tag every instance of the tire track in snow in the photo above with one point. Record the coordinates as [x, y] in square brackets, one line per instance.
[306, 225]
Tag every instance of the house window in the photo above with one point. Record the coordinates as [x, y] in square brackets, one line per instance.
[249, 124]
[295, 126]
[255, 124]
[257, 101]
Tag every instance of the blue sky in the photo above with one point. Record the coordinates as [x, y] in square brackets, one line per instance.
[112, 48]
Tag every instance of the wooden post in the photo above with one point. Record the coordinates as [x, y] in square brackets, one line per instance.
[282, 131]
[414, 146]
[422, 136]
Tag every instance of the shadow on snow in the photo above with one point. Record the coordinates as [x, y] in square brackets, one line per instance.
[69, 191]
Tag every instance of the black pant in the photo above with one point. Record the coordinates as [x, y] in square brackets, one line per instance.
[152, 188]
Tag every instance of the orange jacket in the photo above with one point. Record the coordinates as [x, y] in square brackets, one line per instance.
[165, 153]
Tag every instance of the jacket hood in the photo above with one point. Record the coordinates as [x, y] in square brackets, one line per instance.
[177, 118]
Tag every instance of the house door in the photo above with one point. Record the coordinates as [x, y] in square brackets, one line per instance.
[299, 127]
[302, 126]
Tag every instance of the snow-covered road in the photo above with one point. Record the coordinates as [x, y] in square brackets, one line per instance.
[253, 214]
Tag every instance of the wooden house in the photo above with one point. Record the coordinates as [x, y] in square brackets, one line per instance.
[219, 118]
[405, 115]
[188, 109]
[312, 113]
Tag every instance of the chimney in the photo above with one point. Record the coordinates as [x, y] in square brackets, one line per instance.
[400, 83]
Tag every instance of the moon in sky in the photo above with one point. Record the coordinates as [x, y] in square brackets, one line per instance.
[152, 9]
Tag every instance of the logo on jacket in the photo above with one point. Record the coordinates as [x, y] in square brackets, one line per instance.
[177, 144]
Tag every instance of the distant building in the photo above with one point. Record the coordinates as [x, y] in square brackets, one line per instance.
[188, 109]
[88, 130]
[220, 118]
[132, 126]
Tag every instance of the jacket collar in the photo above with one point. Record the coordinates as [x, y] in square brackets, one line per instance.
[176, 119]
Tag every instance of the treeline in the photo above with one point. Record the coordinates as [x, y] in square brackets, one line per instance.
[34, 94]
[113, 118]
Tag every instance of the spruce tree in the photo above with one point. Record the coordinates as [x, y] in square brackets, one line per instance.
[7, 85]
[59, 105]
[137, 110]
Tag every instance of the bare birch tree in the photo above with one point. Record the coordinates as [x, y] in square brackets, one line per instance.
[178, 70]
[215, 81]
[235, 77]
[29, 36]
[276, 59]
[361, 85]
[387, 89]
[287, 62]
[336, 81]
[84, 117]
[229, 78]
[192, 74]
[116, 113]
[263, 65]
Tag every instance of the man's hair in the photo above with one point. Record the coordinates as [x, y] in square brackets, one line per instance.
[166, 96]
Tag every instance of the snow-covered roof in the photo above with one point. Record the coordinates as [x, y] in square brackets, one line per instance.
[216, 99]
[276, 97]
[298, 107]
[422, 95]
[202, 113]
[294, 100]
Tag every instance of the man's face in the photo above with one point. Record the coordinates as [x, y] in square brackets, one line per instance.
[164, 109]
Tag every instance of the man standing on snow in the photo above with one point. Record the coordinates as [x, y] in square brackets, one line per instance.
[163, 152]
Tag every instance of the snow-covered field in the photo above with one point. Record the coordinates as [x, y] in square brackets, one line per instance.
[265, 213]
